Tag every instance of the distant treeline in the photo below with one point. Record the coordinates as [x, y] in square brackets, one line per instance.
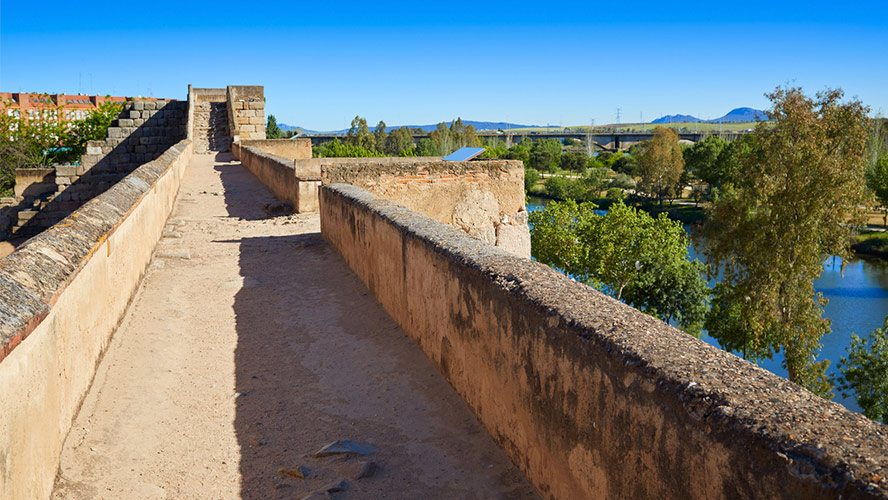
[362, 142]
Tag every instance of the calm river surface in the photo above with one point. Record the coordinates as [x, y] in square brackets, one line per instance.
[858, 303]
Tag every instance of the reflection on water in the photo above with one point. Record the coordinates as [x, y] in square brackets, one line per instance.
[858, 303]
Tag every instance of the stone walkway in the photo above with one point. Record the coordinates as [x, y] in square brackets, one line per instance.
[249, 347]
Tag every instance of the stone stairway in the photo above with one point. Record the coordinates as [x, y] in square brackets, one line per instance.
[211, 133]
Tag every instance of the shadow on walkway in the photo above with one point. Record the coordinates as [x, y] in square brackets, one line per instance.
[319, 360]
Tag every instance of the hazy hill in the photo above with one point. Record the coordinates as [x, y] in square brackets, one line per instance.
[742, 115]
[735, 115]
[427, 128]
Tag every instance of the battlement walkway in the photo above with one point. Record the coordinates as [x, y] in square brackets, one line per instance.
[249, 346]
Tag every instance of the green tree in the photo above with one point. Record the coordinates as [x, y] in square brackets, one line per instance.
[336, 149]
[573, 160]
[399, 141]
[359, 135]
[272, 130]
[700, 159]
[520, 151]
[877, 182]
[380, 136]
[531, 177]
[661, 164]
[799, 183]
[625, 253]
[427, 147]
[443, 139]
[865, 373]
[557, 186]
[627, 165]
[545, 155]
[622, 181]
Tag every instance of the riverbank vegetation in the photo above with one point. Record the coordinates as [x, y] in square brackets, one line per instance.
[773, 205]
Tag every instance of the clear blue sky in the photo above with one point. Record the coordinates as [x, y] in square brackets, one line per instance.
[422, 62]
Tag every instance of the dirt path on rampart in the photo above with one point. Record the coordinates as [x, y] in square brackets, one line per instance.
[249, 347]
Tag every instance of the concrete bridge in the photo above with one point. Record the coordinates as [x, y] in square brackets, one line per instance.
[185, 334]
[605, 140]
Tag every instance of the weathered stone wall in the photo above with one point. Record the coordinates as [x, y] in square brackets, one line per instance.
[591, 398]
[296, 187]
[483, 198]
[210, 127]
[294, 149]
[141, 133]
[62, 294]
[246, 112]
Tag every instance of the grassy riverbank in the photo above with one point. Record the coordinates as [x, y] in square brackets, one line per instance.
[873, 243]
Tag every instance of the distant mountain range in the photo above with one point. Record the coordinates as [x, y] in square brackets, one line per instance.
[735, 115]
[427, 128]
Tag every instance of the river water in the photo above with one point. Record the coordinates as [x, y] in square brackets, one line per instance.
[858, 303]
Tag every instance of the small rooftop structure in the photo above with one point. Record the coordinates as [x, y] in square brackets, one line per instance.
[464, 154]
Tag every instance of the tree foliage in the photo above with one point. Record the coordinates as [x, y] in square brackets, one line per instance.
[865, 373]
[39, 142]
[797, 186]
[398, 142]
[545, 155]
[272, 130]
[359, 135]
[448, 139]
[661, 164]
[877, 182]
[336, 149]
[573, 161]
[701, 159]
[625, 253]
[531, 177]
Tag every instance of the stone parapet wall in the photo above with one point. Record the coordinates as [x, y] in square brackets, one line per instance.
[294, 149]
[299, 189]
[484, 198]
[62, 295]
[590, 397]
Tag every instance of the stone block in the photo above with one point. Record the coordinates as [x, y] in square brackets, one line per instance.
[150, 105]
[257, 120]
[514, 238]
[115, 132]
[255, 105]
[140, 149]
[93, 150]
[247, 128]
[138, 105]
[125, 122]
[66, 170]
[135, 114]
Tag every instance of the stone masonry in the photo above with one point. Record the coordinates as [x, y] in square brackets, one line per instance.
[246, 113]
[140, 134]
[211, 131]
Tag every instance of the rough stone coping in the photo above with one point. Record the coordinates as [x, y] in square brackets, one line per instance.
[36, 273]
[817, 438]
[301, 174]
[348, 170]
